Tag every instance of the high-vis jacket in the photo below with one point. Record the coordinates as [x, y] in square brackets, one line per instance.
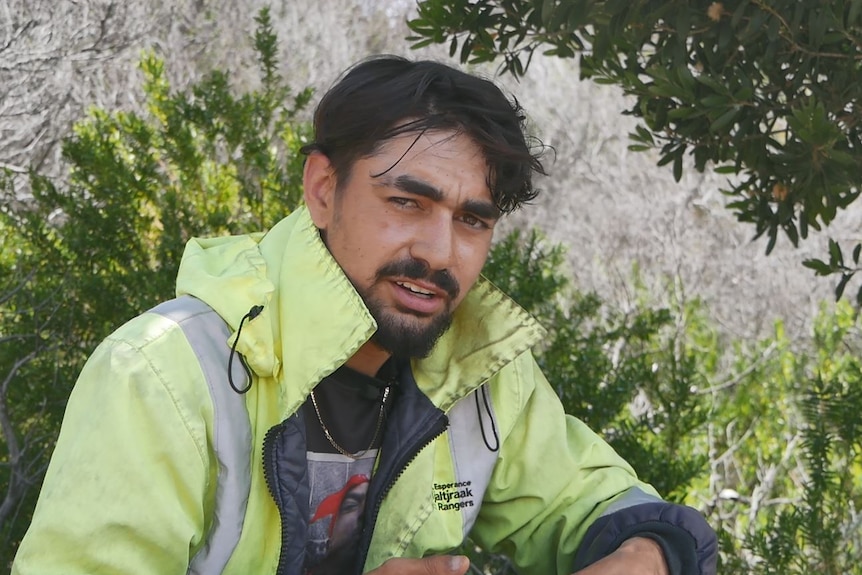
[476, 442]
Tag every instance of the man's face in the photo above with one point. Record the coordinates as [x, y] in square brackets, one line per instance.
[347, 521]
[411, 228]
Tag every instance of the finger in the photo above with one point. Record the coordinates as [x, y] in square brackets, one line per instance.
[446, 564]
[434, 565]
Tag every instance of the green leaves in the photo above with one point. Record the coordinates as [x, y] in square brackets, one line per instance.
[699, 414]
[767, 91]
[599, 359]
[837, 265]
[84, 255]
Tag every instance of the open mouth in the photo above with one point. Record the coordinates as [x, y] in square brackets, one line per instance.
[416, 290]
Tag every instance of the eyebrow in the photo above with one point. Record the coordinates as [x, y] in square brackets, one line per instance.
[411, 185]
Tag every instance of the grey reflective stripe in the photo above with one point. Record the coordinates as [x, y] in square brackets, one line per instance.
[633, 496]
[208, 335]
[474, 462]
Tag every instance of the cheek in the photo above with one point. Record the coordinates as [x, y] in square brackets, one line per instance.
[351, 255]
[367, 249]
[475, 251]
[471, 261]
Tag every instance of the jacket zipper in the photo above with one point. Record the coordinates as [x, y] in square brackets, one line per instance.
[438, 426]
[269, 477]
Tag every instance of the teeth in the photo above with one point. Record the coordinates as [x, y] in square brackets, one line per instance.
[415, 289]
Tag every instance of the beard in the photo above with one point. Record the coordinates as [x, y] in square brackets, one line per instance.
[404, 333]
[405, 337]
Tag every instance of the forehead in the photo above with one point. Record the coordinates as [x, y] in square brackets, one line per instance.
[445, 158]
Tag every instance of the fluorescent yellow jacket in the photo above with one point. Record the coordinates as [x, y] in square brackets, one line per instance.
[131, 485]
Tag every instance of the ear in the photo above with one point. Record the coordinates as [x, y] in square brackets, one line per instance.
[318, 185]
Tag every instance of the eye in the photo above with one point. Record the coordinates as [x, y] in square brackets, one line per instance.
[474, 222]
[403, 202]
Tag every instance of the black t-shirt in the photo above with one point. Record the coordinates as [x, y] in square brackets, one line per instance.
[349, 403]
[350, 408]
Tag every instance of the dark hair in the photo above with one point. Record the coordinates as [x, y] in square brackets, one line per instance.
[387, 96]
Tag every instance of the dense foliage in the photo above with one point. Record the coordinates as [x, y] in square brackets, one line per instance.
[81, 257]
[761, 436]
[767, 92]
[765, 440]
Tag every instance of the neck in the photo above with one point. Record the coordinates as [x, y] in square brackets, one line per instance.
[368, 359]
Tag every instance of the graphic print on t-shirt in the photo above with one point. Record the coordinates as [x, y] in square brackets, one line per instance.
[346, 415]
[339, 486]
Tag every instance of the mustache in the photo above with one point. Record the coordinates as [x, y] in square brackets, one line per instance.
[418, 270]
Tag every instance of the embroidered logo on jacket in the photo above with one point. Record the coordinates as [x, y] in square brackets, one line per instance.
[453, 496]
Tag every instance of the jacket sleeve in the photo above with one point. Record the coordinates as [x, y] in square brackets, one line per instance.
[688, 543]
[561, 498]
[127, 484]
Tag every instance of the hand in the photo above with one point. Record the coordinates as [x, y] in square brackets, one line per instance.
[434, 565]
[636, 556]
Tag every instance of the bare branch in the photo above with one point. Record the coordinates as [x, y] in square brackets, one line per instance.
[767, 481]
[13, 168]
[17, 478]
[21, 285]
[739, 377]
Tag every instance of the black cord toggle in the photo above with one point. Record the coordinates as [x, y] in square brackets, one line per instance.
[484, 392]
[252, 313]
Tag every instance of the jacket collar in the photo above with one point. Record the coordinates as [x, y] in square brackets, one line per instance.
[314, 320]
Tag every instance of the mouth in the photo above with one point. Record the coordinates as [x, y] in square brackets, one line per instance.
[418, 298]
[415, 289]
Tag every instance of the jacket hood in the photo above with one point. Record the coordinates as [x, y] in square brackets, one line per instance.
[313, 320]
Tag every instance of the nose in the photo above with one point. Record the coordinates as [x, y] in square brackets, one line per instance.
[435, 245]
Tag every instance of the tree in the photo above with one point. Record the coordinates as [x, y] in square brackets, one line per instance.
[766, 92]
[50, 52]
[84, 255]
[762, 437]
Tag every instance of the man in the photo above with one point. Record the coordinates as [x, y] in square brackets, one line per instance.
[375, 350]
[344, 510]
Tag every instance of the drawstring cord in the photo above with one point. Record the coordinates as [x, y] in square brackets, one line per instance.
[252, 313]
[255, 311]
[490, 416]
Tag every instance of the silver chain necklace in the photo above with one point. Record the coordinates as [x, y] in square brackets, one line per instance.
[337, 447]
